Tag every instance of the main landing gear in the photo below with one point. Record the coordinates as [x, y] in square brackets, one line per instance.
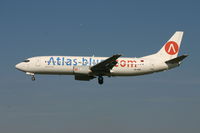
[100, 80]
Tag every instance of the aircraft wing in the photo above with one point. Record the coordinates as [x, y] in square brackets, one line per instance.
[105, 66]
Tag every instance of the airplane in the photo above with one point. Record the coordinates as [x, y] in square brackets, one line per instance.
[86, 68]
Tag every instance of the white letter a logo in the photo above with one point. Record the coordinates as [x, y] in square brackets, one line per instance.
[171, 47]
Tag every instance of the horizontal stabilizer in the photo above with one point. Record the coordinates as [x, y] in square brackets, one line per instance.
[176, 60]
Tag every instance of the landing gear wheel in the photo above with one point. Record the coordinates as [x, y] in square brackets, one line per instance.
[33, 78]
[100, 80]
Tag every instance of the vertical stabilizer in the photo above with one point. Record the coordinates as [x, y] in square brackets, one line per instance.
[171, 48]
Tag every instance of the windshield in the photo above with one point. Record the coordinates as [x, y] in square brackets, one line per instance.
[27, 61]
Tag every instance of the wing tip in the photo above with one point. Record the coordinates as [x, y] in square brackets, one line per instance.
[117, 55]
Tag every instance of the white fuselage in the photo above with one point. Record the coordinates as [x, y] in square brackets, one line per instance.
[86, 68]
[66, 65]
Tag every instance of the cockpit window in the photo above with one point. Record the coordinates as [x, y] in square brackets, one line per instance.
[27, 61]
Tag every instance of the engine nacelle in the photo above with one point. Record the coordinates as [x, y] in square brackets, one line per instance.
[85, 70]
[83, 77]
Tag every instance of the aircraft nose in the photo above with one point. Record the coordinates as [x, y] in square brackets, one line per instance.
[19, 66]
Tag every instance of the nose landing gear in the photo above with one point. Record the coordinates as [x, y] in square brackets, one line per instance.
[32, 75]
[100, 80]
[33, 78]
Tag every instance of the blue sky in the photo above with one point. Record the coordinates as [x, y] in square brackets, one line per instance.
[162, 102]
